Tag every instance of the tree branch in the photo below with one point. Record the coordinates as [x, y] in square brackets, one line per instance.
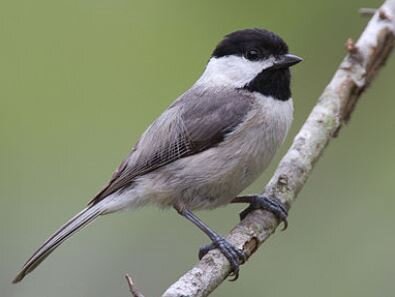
[332, 111]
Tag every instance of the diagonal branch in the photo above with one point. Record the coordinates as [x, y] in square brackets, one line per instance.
[333, 110]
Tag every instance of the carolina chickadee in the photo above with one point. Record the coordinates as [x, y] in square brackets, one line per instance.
[208, 146]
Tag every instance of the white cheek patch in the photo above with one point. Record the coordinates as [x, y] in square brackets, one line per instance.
[233, 71]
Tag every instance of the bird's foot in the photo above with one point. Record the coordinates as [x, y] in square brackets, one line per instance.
[235, 256]
[273, 205]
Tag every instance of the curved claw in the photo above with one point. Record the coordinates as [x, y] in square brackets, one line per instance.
[235, 256]
[205, 249]
[285, 224]
[234, 275]
[273, 205]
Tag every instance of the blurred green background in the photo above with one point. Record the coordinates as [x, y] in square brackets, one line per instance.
[80, 80]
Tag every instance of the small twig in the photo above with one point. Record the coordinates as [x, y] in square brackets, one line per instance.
[350, 46]
[132, 288]
[367, 12]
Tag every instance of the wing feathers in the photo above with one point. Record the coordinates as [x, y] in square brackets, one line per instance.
[192, 124]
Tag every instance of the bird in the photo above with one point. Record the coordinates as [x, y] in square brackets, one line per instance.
[208, 146]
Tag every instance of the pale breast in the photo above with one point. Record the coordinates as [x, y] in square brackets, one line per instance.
[256, 141]
[215, 176]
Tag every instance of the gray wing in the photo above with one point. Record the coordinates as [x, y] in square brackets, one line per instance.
[196, 122]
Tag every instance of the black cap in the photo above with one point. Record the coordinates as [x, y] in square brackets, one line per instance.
[260, 42]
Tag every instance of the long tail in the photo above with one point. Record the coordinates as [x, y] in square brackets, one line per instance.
[76, 223]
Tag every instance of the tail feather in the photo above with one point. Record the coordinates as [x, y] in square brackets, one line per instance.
[76, 223]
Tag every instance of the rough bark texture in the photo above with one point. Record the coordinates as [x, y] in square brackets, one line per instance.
[333, 109]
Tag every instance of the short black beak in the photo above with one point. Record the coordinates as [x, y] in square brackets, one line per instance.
[286, 61]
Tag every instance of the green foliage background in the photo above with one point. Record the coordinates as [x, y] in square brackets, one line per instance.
[80, 80]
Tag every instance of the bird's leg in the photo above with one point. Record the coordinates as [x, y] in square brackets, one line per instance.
[234, 255]
[273, 205]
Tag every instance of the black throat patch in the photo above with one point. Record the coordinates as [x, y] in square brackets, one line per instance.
[272, 82]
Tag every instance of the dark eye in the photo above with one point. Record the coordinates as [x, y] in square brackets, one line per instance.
[252, 55]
